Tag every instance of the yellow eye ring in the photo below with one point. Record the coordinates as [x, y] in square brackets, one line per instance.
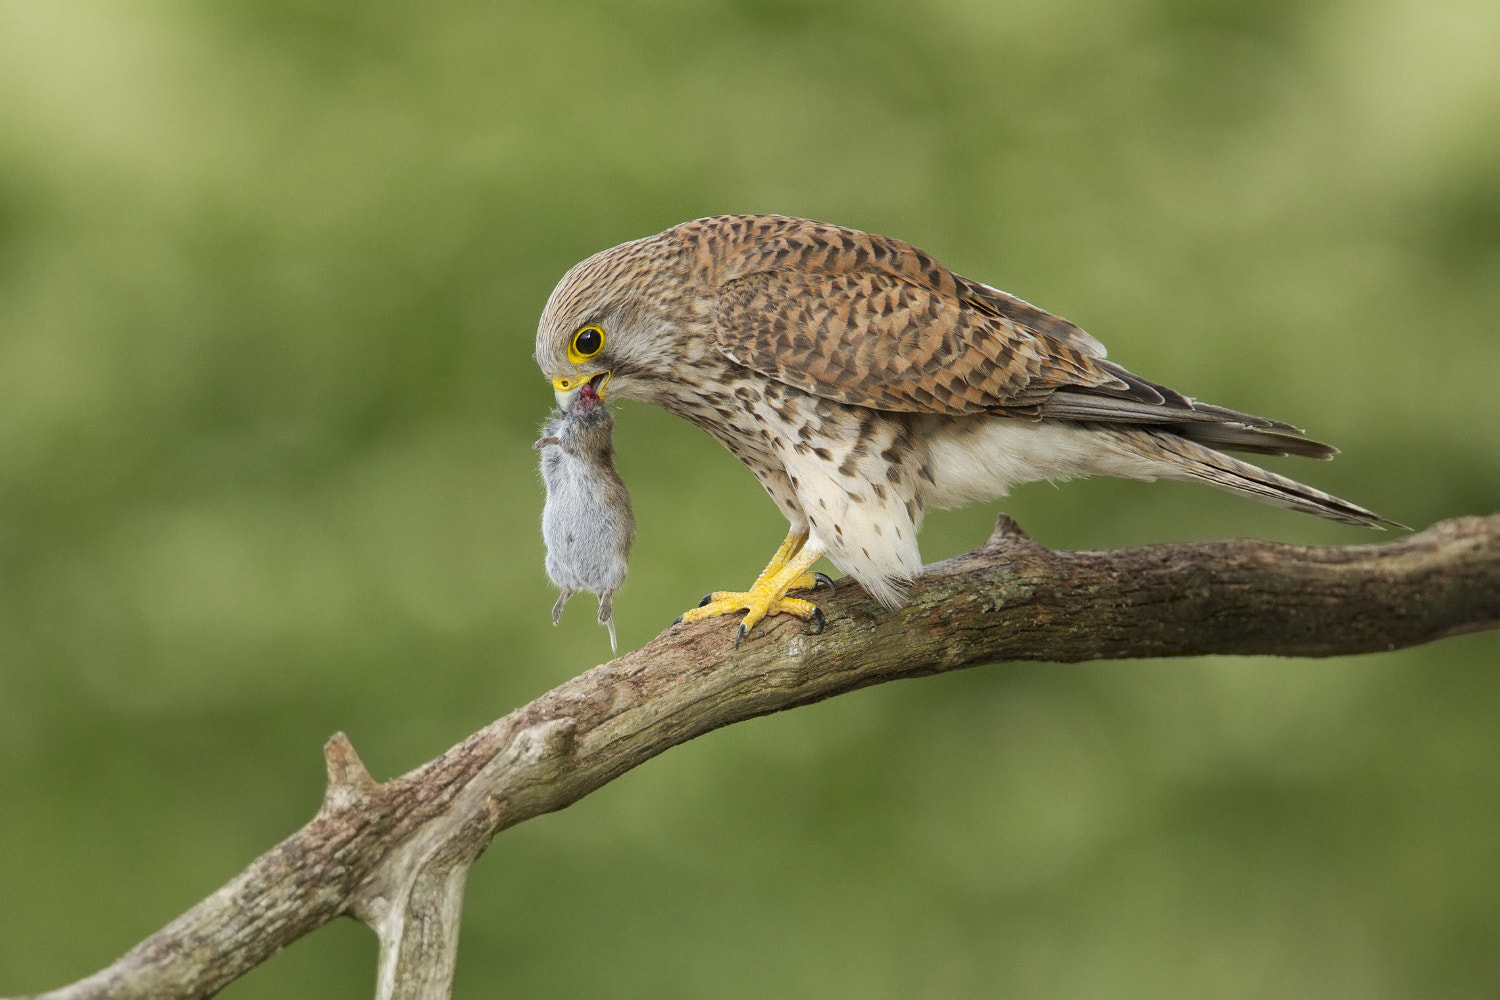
[586, 343]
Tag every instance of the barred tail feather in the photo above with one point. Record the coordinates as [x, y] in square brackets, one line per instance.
[1181, 459]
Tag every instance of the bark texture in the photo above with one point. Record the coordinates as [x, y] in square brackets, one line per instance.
[396, 855]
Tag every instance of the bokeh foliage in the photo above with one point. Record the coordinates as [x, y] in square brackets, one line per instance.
[269, 276]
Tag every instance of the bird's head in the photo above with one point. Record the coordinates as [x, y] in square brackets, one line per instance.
[608, 323]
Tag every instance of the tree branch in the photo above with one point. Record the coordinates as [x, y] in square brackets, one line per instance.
[395, 855]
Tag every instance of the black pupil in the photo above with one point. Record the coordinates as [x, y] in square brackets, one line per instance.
[588, 342]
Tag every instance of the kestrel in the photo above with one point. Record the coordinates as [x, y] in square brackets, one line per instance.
[864, 383]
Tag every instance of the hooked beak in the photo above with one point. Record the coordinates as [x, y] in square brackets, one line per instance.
[567, 389]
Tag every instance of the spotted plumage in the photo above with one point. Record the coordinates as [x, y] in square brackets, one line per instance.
[863, 383]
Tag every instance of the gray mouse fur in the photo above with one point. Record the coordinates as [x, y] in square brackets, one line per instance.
[586, 523]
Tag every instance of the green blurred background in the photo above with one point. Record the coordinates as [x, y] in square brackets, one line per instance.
[269, 276]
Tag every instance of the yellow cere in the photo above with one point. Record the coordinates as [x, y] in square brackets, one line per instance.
[562, 383]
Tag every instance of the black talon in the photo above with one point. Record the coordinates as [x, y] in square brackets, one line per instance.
[677, 620]
[707, 600]
[825, 578]
[739, 635]
[818, 615]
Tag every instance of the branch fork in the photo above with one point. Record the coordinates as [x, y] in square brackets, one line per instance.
[396, 855]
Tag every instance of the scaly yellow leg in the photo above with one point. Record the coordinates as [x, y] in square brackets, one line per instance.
[790, 546]
[787, 570]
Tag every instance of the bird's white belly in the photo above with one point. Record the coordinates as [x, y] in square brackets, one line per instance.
[871, 538]
[982, 457]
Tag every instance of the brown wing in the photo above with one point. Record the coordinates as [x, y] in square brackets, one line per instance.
[871, 337]
[873, 321]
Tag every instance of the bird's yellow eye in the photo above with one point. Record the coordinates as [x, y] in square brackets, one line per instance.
[587, 342]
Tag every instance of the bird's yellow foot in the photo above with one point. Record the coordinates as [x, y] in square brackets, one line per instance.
[787, 571]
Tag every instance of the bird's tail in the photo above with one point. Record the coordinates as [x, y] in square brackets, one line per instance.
[1182, 459]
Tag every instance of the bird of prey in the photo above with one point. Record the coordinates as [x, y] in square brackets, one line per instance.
[864, 383]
